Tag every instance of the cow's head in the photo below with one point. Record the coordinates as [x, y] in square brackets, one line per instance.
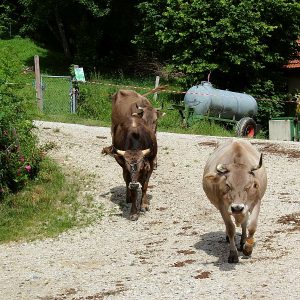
[238, 187]
[135, 163]
[150, 115]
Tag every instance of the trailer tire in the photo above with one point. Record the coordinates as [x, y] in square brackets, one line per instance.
[246, 127]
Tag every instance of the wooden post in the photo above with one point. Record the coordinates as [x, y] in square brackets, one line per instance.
[156, 85]
[38, 87]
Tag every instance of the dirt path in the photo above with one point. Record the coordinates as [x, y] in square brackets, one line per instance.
[175, 251]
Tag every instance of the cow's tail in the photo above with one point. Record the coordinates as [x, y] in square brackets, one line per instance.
[155, 90]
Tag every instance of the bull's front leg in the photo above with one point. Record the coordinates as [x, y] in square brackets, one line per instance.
[148, 171]
[126, 177]
[249, 243]
[135, 208]
[230, 231]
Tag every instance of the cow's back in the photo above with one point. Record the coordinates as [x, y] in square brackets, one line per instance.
[125, 102]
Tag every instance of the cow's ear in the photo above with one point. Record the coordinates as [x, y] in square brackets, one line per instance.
[212, 177]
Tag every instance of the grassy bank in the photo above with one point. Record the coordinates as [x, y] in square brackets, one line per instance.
[45, 207]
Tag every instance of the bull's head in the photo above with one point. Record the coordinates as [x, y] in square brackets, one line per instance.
[150, 115]
[238, 187]
[135, 163]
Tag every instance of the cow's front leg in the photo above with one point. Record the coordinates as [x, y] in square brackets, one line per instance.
[249, 243]
[230, 231]
[244, 233]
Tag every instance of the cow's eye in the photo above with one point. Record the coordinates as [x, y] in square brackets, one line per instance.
[228, 188]
[255, 185]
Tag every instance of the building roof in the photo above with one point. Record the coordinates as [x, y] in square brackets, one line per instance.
[295, 63]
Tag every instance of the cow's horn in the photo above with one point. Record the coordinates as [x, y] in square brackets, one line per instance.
[146, 151]
[222, 168]
[259, 164]
[121, 152]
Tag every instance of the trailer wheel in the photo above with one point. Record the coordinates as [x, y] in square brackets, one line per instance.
[246, 127]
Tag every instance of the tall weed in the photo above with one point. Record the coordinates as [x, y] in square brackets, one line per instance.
[19, 154]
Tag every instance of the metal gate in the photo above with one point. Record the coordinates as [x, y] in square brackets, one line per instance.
[57, 94]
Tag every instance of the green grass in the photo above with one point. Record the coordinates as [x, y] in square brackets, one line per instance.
[24, 49]
[94, 105]
[45, 208]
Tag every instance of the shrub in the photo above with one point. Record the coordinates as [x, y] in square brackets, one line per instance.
[19, 154]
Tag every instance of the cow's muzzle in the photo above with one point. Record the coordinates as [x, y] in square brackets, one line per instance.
[237, 208]
[134, 185]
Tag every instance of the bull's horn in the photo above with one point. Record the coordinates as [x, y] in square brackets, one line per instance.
[121, 152]
[222, 168]
[259, 164]
[146, 151]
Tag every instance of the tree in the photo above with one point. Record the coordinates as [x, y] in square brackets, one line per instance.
[64, 21]
[240, 42]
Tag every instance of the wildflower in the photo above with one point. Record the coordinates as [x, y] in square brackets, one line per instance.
[28, 168]
[22, 159]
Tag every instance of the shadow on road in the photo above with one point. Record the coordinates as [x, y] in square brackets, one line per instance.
[118, 196]
[214, 244]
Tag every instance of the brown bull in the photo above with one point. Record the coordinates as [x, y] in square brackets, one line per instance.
[134, 148]
[235, 181]
[127, 103]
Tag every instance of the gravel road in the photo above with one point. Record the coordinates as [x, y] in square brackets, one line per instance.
[177, 250]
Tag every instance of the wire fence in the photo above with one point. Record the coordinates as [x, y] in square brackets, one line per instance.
[62, 95]
[57, 94]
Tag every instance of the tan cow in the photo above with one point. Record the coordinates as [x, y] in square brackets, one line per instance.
[235, 181]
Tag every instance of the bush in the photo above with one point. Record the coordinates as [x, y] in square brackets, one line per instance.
[19, 154]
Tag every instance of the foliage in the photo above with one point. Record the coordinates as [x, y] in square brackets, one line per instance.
[238, 41]
[270, 103]
[19, 154]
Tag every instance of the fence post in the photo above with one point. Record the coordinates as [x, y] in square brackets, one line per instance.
[156, 85]
[38, 86]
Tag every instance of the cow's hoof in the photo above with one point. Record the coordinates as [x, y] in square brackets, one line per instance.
[247, 248]
[134, 217]
[233, 257]
[227, 238]
[144, 209]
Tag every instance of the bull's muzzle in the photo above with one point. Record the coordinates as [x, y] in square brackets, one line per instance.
[134, 185]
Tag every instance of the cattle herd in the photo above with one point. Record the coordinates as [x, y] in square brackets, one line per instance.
[234, 177]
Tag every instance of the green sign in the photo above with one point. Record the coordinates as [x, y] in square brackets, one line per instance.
[79, 74]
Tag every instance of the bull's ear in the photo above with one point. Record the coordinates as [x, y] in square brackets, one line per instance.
[108, 150]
